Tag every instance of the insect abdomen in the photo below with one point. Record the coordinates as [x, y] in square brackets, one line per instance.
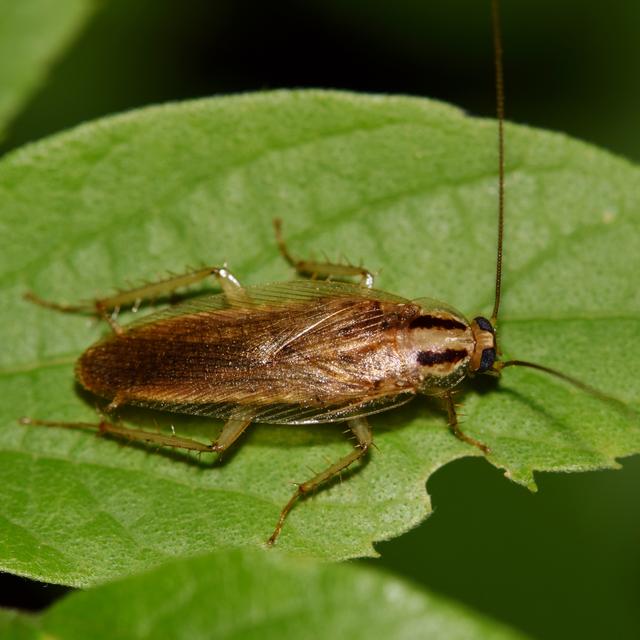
[327, 352]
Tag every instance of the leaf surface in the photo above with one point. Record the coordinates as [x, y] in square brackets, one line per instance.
[252, 594]
[407, 186]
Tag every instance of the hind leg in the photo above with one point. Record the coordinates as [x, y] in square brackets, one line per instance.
[107, 308]
[232, 430]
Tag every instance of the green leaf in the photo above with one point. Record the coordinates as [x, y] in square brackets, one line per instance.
[18, 626]
[406, 185]
[242, 594]
[32, 34]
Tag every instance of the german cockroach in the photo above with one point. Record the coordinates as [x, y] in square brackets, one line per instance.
[315, 351]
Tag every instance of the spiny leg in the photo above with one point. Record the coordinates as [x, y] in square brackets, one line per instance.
[231, 431]
[362, 431]
[455, 427]
[320, 269]
[108, 307]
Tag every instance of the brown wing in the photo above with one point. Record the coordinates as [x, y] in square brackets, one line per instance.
[288, 353]
[278, 294]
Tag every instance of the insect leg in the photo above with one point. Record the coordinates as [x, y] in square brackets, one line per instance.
[232, 429]
[108, 307]
[361, 429]
[126, 433]
[153, 290]
[455, 427]
[320, 269]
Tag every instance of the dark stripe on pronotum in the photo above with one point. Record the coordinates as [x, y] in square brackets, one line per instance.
[440, 357]
[433, 322]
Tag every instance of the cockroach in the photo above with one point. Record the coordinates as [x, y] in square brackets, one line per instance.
[303, 352]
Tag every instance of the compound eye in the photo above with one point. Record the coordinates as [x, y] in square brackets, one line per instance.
[484, 324]
[487, 360]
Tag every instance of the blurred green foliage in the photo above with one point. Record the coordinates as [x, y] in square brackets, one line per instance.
[570, 66]
[32, 35]
[254, 595]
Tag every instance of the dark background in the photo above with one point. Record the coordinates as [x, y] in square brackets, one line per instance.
[564, 562]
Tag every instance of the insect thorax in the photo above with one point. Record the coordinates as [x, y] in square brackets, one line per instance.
[438, 346]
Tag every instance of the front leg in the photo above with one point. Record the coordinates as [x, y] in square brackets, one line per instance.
[455, 427]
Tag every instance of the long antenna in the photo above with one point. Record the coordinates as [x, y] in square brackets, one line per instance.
[499, 366]
[497, 53]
